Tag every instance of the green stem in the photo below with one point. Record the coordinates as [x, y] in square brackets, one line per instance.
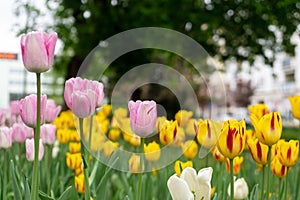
[140, 184]
[48, 166]
[263, 182]
[286, 184]
[280, 187]
[91, 130]
[35, 177]
[298, 182]
[87, 192]
[268, 171]
[231, 180]
[4, 175]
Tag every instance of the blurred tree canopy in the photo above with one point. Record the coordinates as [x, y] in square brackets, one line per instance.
[240, 29]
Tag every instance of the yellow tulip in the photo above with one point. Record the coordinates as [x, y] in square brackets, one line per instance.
[159, 123]
[208, 132]
[289, 152]
[79, 183]
[74, 147]
[269, 128]
[189, 149]
[168, 132]
[106, 109]
[109, 147]
[152, 151]
[217, 155]
[237, 164]
[134, 163]
[183, 117]
[295, 104]
[135, 140]
[97, 141]
[259, 110]
[73, 160]
[74, 135]
[190, 128]
[250, 135]
[231, 141]
[259, 151]
[179, 166]
[78, 170]
[114, 134]
[278, 169]
[63, 135]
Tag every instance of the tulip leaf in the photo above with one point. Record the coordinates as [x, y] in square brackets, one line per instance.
[26, 186]
[44, 196]
[16, 188]
[254, 193]
[93, 173]
[66, 194]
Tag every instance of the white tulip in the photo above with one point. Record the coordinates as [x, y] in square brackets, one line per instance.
[190, 185]
[241, 190]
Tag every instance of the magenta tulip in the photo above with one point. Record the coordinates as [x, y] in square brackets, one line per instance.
[5, 137]
[28, 109]
[143, 115]
[82, 96]
[52, 111]
[48, 132]
[38, 51]
[19, 132]
[30, 150]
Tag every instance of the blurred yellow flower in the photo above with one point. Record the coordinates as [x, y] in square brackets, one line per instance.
[250, 135]
[189, 149]
[79, 183]
[179, 166]
[64, 120]
[114, 134]
[73, 160]
[208, 132]
[289, 152]
[134, 163]
[231, 141]
[278, 169]
[295, 104]
[259, 110]
[109, 147]
[106, 110]
[259, 151]
[237, 164]
[135, 140]
[160, 122]
[269, 128]
[168, 132]
[183, 117]
[190, 128]
[78, 170]
[97, 141]
[63, 135]
[74, 136]
[74, 147]
[152, 151]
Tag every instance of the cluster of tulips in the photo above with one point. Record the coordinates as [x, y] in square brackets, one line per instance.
[90, 129]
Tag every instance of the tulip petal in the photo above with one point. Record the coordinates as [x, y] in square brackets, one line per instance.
[179, 189]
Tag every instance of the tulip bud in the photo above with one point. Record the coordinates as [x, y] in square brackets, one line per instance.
[237, 164]
[231, 141]
[179, 166]
[241, 190]
[28, 109]
[189, 149]
[79, 183]
[52, 111]
[295, 104]
[19, 132]
[38, 51]
[143, 116]
[48, 132]
[29, 143]
[152, 151]
[5, 137]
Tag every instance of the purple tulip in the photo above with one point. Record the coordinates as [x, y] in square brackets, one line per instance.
[52, 110]
[48, 132]
[143, 115]
[28, 109]
[5, 137]
[19, 132]
[82, 96]
[38, 51]
[30, 150]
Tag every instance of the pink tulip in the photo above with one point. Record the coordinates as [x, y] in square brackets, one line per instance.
[52, 111]
[19, 132]
[82, 96]
[38, 51]
[30, 150]
[3, 115]
[5, 137]
[143, 116]
[15, 107]
[29, 132]
[48, 132]
[28, 109]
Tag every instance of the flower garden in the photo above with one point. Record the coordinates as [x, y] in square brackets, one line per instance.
[94, 151]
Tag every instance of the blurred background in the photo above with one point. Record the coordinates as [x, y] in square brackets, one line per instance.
[254, 45]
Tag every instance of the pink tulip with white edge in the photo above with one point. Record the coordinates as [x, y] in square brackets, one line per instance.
[5, 137]
[29, 143]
